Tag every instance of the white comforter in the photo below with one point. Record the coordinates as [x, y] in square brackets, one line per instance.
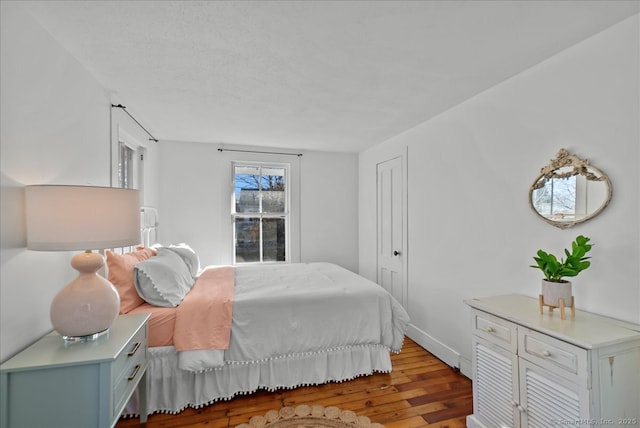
[293, 325]
[298, 309]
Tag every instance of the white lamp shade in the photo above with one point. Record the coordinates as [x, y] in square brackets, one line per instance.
[61, 218]
[65, 218]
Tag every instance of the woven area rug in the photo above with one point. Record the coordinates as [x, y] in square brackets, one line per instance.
[304, 416]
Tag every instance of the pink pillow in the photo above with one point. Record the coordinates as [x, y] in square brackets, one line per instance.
[121, 275]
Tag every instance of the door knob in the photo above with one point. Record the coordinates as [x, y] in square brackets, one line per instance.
[396, 253]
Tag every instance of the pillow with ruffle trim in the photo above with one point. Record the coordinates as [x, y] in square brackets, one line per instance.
[189, 257]
[163, 280]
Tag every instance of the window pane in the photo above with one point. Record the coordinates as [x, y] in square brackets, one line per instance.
[564, 195]
[273, 190]
[247, 232]
[273, 240]
[125, 166]
[541, 199]
[247, 189]
[260, 192]
[557, 199]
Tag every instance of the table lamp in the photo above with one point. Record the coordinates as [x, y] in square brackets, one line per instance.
[66, 218]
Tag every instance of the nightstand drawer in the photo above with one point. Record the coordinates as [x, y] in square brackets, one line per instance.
[132, 350]
[128, 368]
[128, 380]
[560, 357]
[496, 330]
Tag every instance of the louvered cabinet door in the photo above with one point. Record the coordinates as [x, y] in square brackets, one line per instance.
[548, 400]
[495, 385]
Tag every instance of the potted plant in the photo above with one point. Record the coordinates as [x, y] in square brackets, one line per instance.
[554, 287]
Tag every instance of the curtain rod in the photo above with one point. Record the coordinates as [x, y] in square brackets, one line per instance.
[258, 151]
[134, 119]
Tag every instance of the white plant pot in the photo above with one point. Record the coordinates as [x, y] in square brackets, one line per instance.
[552, 292]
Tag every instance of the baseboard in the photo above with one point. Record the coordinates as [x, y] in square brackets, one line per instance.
[465, 367]
[440, 350]
[473, 422]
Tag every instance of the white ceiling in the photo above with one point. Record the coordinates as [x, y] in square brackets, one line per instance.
[317, 75]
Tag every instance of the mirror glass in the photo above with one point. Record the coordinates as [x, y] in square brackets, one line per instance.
[569, 191]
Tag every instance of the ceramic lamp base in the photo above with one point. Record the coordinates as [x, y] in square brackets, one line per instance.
[86, 307]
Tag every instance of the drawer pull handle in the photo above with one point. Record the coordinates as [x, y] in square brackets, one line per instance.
[491, 330]
[134, 350]
[546, 353]
[135, 372]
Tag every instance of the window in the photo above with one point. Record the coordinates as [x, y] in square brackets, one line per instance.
[260, 212]
[128, 152]
[125, 166]
[557, 199]
[129, 170]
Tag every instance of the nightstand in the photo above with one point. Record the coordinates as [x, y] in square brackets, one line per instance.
[85, 384]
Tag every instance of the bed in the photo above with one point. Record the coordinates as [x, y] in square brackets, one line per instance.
[290, 325]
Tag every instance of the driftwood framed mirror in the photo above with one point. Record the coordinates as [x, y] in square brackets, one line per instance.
[569, 191]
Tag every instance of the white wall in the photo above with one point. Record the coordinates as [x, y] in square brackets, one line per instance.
[471, 232]
[195, 202]
[330, 208]
[55, 129]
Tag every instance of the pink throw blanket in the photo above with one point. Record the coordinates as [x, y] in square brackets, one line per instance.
[203, 319]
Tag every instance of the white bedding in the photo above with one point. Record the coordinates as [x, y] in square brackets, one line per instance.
[293, 325]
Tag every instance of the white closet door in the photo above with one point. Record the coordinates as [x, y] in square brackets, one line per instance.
[390, 228]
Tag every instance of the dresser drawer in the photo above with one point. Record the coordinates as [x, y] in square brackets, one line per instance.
[562, 358]
[496, 330]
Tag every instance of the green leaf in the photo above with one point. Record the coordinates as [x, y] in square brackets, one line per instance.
[584, 265]
[575, 262]
[582, 240]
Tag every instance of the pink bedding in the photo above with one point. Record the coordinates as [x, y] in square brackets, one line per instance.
[161, 323]
[202, 320]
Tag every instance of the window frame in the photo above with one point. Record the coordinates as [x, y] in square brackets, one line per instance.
[552, 188]
[286, 215]
[127, 133]
[126, 166]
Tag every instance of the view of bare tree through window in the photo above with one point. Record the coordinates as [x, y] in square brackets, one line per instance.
[260, 213]
[556, 198]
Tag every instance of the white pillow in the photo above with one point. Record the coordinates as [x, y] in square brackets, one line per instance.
[163, 280]
[189, 257]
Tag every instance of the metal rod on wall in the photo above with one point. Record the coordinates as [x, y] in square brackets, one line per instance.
[134, 119]
[258, 151]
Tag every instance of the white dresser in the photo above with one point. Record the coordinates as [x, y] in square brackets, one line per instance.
[76, 385]
[532, 370]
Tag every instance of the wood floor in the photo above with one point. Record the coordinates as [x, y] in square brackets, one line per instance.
[421, 391]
